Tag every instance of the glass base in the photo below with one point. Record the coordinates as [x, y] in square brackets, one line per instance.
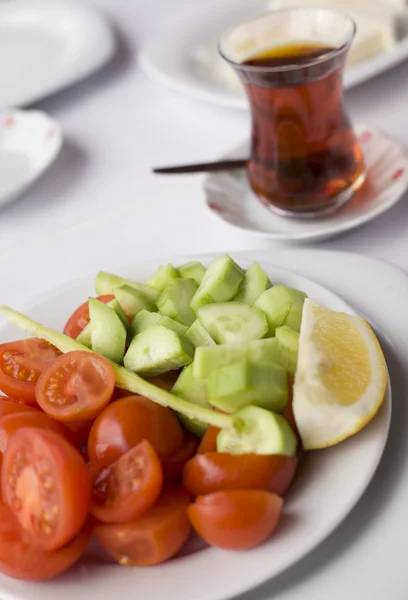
[337, 202]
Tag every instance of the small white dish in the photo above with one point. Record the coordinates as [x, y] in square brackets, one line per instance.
[29, 142]
[229, 197]
[190, 64]
[329, 485]
[48, 45]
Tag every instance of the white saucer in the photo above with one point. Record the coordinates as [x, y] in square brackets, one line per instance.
[47, 45]
[229, 197]
[29, 142]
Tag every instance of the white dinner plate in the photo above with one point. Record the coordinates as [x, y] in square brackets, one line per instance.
[229, 197]
[327, 488]
[29, 143]
[47, 45]
[189, 63]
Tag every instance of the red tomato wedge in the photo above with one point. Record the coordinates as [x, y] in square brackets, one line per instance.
[152, 538]
[10, 424]
[22, 559]
[173, 465]
[80, 318]
[8, 406]
[21, 364]
[209, 440]
[46, 484]
[217, 471]
[76, 387]
[236, 519]
[129, 487]
[128, 421]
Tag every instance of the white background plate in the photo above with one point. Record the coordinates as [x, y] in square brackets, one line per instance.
[29, 142]
[328, 487]
[169, 57]
[228, 195]
[47, 45]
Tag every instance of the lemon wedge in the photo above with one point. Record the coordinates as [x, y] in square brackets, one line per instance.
[341, 376]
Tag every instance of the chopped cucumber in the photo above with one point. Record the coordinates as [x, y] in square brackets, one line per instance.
[163, 277]
[220, 282]
[145, 319]
[197, 335]
[243, 383]
[108, 335]
[257, 430]
[233, 322]
[119, 311]
[254, 283]
[194, 390]
[174, 301]
[85, 337]
[106, 283]
[157, 350]
[288, 341]
[133, 301]
[282, 305]
[208, 359]
[124, 379]
[192, 270]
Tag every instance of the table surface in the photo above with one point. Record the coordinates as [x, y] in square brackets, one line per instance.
[100, 196]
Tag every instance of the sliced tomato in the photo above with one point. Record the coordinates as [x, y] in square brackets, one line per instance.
[152, 538]
[80, 318]
[10, 424]
[236, 519]
[125, 423]
[21, 558]
[209, 440]
[76, 387]
[173, 465]
[217, 471]
[47, 485]
[8, 406]
[21, 364]
[129, 487]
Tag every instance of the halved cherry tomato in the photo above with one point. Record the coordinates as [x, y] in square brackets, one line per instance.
[21, 364]
[80, 318]
[13, 422]
[47, 485]
[173, 465]
[129, 487]
[22, 559]
[76, 387]
[209, 440]
[236, 519]
[217, 471]
[8, 406]
[154, 537]
[126, 422]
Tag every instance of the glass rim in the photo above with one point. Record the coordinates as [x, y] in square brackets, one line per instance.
[291, 67]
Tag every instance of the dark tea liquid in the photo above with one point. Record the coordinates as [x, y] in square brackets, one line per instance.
[304, 151]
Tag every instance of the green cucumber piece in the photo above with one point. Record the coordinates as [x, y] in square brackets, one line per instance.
[208, 359]
[197, 335]
[233, 322]
[282, 305]
[108, 336]
[288, 341]
[124, 379]
[145, 319]
[174, 301]
[220, 282]
[157, 350]
[262, 384]
[163, 277]
[195, 390]
[119, 311]
[85, 337]
[133, 301]
[255, 282]
[106, 283]
[192, 270]
[259, 431]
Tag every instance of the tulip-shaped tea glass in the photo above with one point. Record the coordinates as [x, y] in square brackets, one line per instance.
[305, 158]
